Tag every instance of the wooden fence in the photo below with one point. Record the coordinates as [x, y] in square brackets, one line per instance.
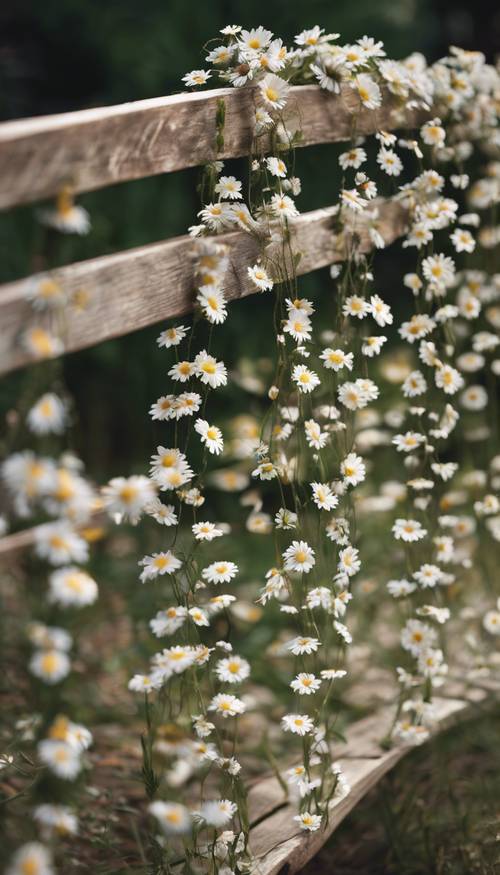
[129, 290]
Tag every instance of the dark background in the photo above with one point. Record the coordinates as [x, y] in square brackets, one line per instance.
[60, 55]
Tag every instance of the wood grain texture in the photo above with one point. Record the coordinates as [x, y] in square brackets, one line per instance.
[279, 847]
[139, 287]
[94, 148]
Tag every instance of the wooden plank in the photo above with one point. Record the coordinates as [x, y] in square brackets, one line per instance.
[94, 148]
[126, 291]
[279, 847]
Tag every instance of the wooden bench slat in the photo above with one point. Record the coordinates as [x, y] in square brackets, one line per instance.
[139, 287]
[94, 148]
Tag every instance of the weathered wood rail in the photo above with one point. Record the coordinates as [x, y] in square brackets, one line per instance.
[128, 290]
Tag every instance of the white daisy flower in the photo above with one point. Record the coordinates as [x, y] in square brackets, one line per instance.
[196, 78]
[305, 684]
[323, 496]
[72, 587]
[172, 817]
[219, 572]
[260, 277]
[353, 469]
[233, 670]
[172, 336]
[210, 435]
[159, 564]
[305, 379]
[48, 415]
[408, 530]
[299, 556]
[226, 705]
[299, 724]
[274, 91]
[335, 359]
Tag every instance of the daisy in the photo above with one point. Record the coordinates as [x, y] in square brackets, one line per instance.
[226, 705]
[168, 621]
[408, 530]
[349, 562]
[368, 91]
[213, 305]
[51, 666]
[172, 336]
[433, 134]
[41, 344]
[352, 396]
[419, 326]
[414, 384]
[173, 818]
[439, 269]
[72, 587]
[417, 637]
[308, 821]
[66, 217]
[219, 572]
[299, 556]
[389, 162]
[228, 187]
[428, 575]
[60, 757]
[331, 674]
[182, 371]
[218, 813]
[210, 435]
[255, 39]
[356, 306]
[401, 588]
[233, 669]
[305, 684]
[448, 379]
[216, 216]
[407, 442]
[164, 408]
[314, 436]
[59, 544]
[143, 683]
[462, 240]
[335, 359]
[380, 311]
[474, 398]
[298, 325]
[491, 622]
[33, 858]
[260, 277]
[196, 78]
[354, 158]
[353, 469]
[274, 91]
[323, 496]
[206, 531]
[126, 497]
[352, 200]
[305, 379]
[159, 564]
[298, 646]
[48, 415]
[299, 724]
[46, 294]
[373, 345]
[55, 820]
[198, 617]
[283, 206]
[210, 371]
[276, 167]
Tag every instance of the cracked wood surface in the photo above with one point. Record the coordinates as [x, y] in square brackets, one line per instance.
[94, 148]
[120, 293]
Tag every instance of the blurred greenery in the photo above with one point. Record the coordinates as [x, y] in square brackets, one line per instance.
[64, 56]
